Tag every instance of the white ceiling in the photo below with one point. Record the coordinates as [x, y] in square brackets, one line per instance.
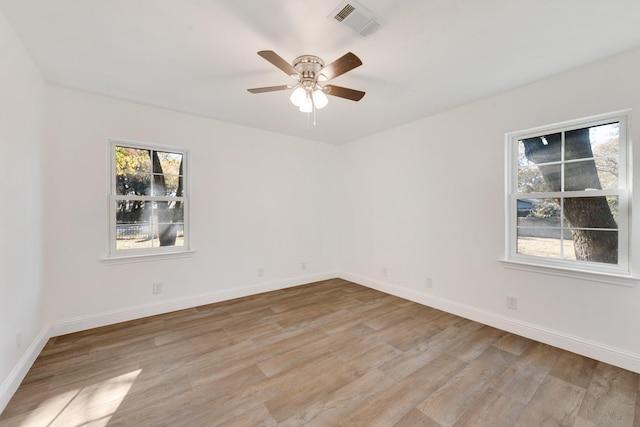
[199, 56]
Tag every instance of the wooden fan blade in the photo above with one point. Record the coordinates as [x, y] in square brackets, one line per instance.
[277, 60]
[346, 62]
[269, 88]
[344, 92]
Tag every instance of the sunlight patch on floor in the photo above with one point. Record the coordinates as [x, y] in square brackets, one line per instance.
[93, 405]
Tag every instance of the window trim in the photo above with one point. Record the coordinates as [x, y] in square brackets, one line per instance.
[115, 256]
[620, 273]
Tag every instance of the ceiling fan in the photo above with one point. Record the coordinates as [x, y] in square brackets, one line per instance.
[311, 73]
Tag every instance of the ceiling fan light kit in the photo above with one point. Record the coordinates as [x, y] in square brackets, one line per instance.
[310, 94]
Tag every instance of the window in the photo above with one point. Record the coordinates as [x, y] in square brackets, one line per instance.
[568, 195]
[148, 199]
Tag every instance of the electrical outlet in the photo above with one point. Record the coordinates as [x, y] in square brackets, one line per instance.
[303, 266]
[157, 288]
[385, 272]
[260, 272]
[18, 340]
[429, 282]
[512, 302]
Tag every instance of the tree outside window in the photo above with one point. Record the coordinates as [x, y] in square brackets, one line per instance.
[568, 195]
[148, 198]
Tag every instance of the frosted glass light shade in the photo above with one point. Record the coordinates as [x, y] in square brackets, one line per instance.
[307, 105]
[319, 99]
[298, 96]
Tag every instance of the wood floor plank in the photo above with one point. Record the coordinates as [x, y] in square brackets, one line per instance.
[514, 344]
[393, 316]
[258, 416]
[492, 409]
[329, 353]
[431, 316]
[611, 397]
[574, 369]
[305, 393]
[416, 418]
[522, 379]
[356, 312]
[388, 407]
[410, 334]
[331, 343]
[636, 422]
[555, 403]
[330, 409]
[202, 409]
[460, 393]
[235, 382]
[474, 344]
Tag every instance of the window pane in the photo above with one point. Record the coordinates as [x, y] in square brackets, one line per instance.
[168, 221]
[149, 224]
[540, 149]
[591, 212]
[545, 211]
[601, 142]
[132, 211]
[546, 247]
[530, 180]
[159, 185]
[170, 162]
[132, 225]
[613, 206]
[536, 246]
[133, 171]
[167, 174]
[605, 140]
[581, 175]
[607, 172]
[578, 144]
[606, 250]
[132, 160]
[539, 230]
[593, 141]
[133, 184]
[172, 184]
[533, 242]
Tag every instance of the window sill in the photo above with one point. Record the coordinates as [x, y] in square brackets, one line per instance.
[128, 259]
[594, 276]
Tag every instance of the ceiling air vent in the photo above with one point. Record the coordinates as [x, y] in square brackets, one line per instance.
[357, 17]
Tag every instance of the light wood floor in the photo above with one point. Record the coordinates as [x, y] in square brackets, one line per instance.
[326, 354]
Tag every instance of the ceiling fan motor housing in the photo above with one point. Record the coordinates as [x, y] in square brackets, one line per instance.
[308, 66]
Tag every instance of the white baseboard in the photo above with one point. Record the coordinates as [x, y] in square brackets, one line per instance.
[12, 382]
[61, 327]
[595, 350]
[82, 323]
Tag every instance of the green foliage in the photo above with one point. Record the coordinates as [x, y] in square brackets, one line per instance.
[134, 171]
[545, 208]
[530, 180]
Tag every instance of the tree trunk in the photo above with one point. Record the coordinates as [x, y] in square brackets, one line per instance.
[579, 212]
[167, 231]
[592, 245]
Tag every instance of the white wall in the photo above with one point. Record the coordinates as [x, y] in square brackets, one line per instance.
[427, 200]
[398, 200]
[21, 137]
[259, 200]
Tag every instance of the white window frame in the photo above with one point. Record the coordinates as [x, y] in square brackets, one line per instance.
[563, 267]
[144, 254]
